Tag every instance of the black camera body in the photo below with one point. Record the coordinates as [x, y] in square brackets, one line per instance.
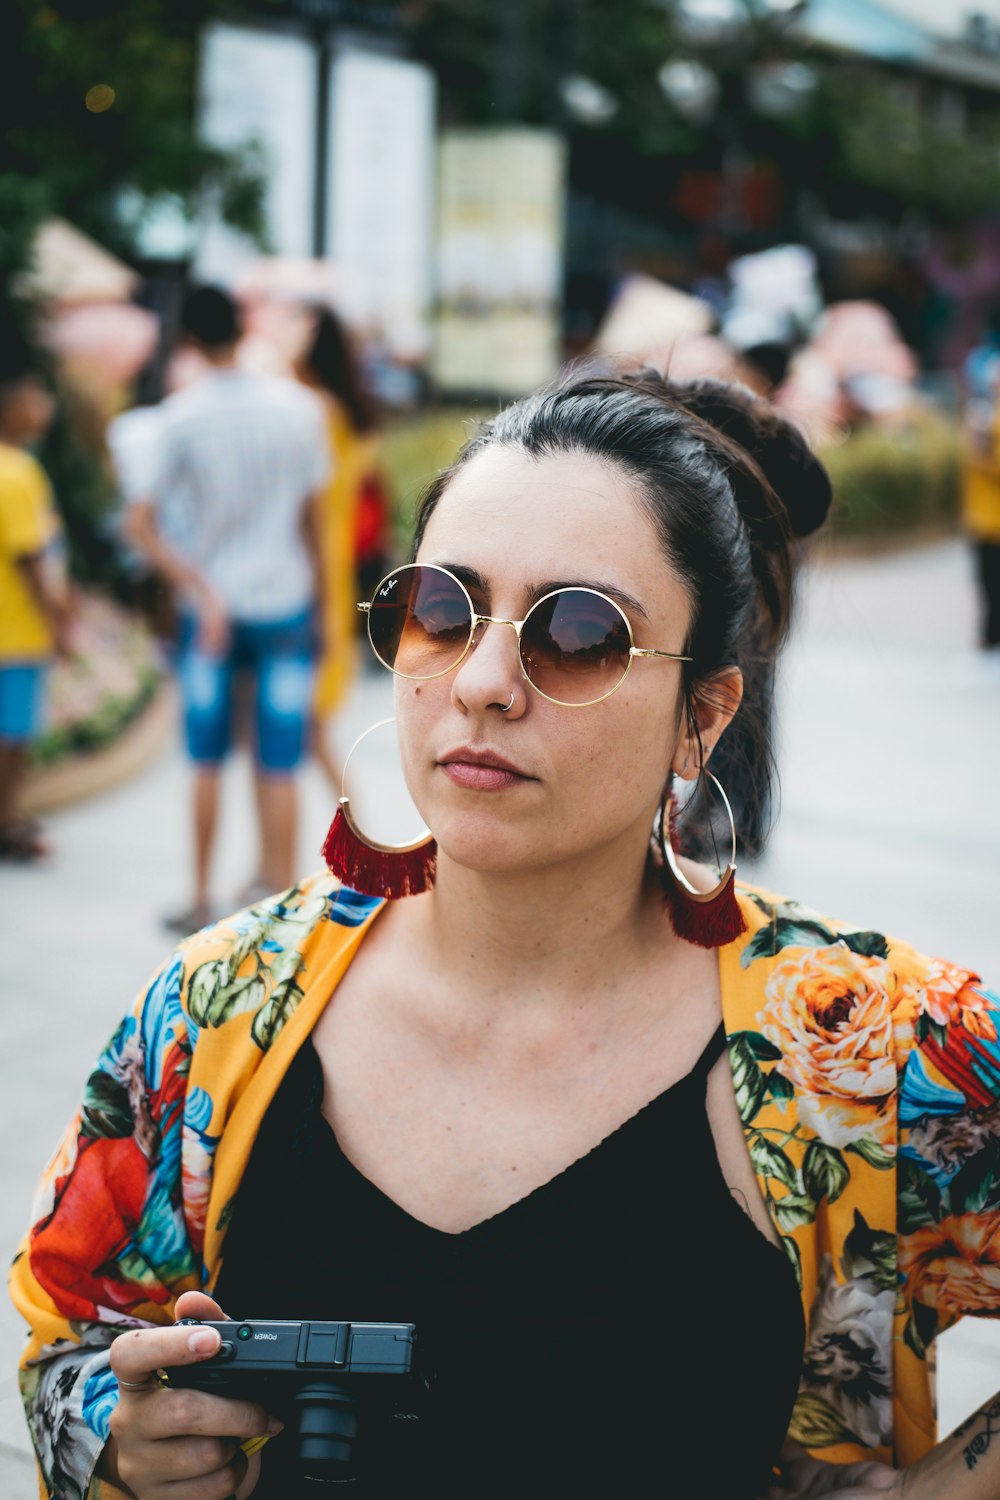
[329, 1382]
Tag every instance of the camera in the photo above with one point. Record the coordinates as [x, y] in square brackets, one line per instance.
[338, 1387]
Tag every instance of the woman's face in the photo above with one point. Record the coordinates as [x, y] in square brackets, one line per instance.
[587, 779]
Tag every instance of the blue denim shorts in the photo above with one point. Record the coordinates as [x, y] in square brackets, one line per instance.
[22, 701]
[279, 657]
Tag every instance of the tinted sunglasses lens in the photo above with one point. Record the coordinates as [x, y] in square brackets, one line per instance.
[420, 621]
[575, 646]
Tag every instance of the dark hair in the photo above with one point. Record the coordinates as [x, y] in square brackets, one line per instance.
[17, 360]
[770, 357]
[728, 483]
[211, 316]
[331, 363]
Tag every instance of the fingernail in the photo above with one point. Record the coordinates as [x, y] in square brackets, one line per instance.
[274, 1426]
[203, 1341]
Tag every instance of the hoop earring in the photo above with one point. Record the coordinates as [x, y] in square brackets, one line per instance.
[372, 868]
[709, 919]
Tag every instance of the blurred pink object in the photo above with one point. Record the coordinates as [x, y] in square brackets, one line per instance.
[697, 356]
[276, 334]
[278, 294]
[184, 367]
[287, 278]
[107, 343]
[68, 267]
[813, 399]
[861, 338]
[648, 319]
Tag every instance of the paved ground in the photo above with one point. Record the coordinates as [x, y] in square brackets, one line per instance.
[890, 814]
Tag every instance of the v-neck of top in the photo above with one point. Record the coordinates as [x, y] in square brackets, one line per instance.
[577, 1341]
[616, 1139]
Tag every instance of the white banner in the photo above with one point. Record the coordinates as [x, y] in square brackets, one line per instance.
[259, 86]
[381, 195]
[501, 206]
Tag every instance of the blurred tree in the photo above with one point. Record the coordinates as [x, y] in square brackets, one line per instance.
[97, 96]
[868, 140]
[896, 157]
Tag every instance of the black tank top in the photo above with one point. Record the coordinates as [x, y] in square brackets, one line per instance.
[625, 1330]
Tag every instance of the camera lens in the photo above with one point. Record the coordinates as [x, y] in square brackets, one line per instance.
[328, 1426]
[246, 1332]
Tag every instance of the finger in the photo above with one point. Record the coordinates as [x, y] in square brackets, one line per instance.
[186, 1413]
[221, 1484]
[138, 1354]
[198, 1305]
[190, 1457]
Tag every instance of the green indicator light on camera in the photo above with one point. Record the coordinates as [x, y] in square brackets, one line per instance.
[245, 1332]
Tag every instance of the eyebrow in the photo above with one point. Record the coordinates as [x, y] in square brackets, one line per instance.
[473, 579]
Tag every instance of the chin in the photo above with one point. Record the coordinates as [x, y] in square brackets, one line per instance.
[492, 845]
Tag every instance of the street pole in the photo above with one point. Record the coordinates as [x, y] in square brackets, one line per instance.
[324, 55]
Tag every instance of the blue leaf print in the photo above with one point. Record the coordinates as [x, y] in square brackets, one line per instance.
[921, 1096]
[351, 908]
[162, 1014]
[100, 1397]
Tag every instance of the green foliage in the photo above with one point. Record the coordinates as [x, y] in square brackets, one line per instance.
[80, 155]
[99, 729]
[24, 204]
[886, 482]
[909, 159]
[413, 450]
[71, 455]
[824, 1171]
[895, 480]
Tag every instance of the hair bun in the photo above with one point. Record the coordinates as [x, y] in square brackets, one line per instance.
[791, 468]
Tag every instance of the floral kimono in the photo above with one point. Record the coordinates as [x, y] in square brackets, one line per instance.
[867, 1079]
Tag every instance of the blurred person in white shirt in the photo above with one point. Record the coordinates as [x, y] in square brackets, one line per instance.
[229, 521]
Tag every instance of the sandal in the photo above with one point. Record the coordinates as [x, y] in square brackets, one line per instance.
[251, 895]
[191, 919]
[22, 843]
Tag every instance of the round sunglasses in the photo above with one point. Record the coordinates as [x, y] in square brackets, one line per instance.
[575, 645]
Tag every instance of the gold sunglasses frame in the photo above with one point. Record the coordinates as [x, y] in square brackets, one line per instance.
[518, 626]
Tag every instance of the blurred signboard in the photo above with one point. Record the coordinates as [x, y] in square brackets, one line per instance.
[501, 206]
[258, 87]
[380, 193]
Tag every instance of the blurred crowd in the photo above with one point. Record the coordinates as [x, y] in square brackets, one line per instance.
[251, 508]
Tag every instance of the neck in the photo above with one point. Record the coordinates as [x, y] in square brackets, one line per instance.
[221, 359]
[552, 937]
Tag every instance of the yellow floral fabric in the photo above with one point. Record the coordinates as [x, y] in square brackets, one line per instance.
[867, 1079]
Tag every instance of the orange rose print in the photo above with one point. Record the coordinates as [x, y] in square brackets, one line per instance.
[948, 996]
[828, 1012]
[954, 1266]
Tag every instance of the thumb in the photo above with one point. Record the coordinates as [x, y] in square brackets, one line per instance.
[197, 1305]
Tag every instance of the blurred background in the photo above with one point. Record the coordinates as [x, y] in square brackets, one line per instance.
[800, 194]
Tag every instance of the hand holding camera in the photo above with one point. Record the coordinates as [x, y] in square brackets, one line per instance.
[163, 1437]
[345, 1390]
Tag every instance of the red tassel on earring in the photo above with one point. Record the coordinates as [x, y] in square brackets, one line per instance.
[374, 869]
[709, 923]
[709, 919]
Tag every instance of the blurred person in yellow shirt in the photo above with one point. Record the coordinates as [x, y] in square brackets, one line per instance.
[34, 596]
[330, 367]
[981, 506]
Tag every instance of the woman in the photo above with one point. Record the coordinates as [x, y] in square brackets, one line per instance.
[501, 1107]
[329, 367]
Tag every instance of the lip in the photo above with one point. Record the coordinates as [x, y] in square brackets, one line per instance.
[481, 770]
